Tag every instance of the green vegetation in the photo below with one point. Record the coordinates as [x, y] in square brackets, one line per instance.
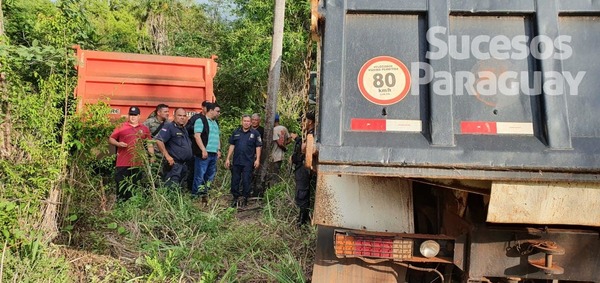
[58, 218]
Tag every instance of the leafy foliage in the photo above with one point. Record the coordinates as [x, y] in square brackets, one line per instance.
[246, 57]
[53, 148]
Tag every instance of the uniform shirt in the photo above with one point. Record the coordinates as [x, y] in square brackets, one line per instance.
[177, 141]
[276, 152]
[213, 134]
[152, 123]
[261, 131]
[132, 136]
[244, 152]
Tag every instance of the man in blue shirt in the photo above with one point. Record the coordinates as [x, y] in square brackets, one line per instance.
[205, 165]
[245, 146]
[175, 145]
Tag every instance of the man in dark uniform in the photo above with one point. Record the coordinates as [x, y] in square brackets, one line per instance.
[174, 143]
[245, 146]
[256, 124]
[306, 180]
[256, 187]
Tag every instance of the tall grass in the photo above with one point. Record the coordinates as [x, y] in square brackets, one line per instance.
[164, 235]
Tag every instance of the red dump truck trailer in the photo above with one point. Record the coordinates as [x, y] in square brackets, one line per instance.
[457, 141]
[125, 79]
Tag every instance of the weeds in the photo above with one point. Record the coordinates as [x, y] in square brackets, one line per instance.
[166, 236]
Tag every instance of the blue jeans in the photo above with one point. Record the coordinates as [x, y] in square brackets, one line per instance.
[241, 173]
[204, 173]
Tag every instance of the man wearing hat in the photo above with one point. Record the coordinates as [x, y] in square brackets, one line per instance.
[129, 139]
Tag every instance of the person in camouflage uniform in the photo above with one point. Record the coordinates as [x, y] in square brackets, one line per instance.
[157, 119]
[155, 122]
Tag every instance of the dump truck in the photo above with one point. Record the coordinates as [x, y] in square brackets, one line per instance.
[124, 79]
[457, 141]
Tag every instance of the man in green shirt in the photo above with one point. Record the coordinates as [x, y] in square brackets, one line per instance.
[208, 139]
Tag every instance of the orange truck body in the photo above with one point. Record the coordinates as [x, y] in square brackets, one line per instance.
[125, 79]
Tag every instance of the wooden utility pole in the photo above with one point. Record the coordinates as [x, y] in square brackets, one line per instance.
[1, 20]
[273, 87]
[5, 140]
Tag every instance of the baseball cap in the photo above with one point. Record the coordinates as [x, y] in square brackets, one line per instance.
[277, 117]
[134, 110]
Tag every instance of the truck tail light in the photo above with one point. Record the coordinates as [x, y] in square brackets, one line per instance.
[389, 247]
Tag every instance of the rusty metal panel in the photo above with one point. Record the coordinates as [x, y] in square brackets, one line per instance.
[142, 80]
[545, 203]
[364, 203]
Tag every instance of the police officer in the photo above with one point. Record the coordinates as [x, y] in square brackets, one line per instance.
[174, 143]
[305, 179]
[245, 145]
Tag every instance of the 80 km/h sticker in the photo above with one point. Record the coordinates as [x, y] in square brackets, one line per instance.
[384, 80]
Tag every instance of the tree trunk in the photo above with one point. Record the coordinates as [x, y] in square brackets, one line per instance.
[157, 26]
[1, 20]
[5, 125]
[273, 87]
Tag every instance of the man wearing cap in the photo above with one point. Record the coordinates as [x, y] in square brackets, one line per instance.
[128, 138]
[245, 146]
[205, 166]
[306, 180]
[281, 138]
[174, 142]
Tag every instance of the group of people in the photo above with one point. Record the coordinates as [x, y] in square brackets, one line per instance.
[188, 150]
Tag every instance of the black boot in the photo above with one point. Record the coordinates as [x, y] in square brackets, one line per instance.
[234, 203]
[303, 217]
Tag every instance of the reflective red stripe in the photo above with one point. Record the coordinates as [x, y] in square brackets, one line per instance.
[367, 125]
[478, 127]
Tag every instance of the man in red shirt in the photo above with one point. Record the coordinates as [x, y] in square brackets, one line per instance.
[128, 138]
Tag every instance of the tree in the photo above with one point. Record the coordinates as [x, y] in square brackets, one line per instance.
[244, 53]
[273, 89]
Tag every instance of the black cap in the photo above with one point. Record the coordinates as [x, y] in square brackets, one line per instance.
[134, 111]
